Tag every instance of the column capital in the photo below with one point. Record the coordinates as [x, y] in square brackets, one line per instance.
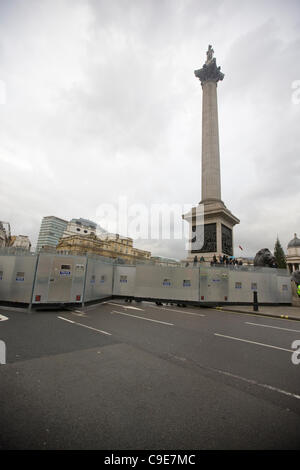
[210, 71]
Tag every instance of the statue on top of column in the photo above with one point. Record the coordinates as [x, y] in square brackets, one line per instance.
[209, 71]
[209, 54]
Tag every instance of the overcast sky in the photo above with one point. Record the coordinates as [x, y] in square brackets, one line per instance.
[99, 101]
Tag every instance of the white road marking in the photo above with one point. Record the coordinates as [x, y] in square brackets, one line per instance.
[3, 318]
[179, 311]
[126, 306]
[91, 307]
[254, 342]
[143, 318]
[78, 313]
[253, 382]
[85, 326]
[270, 326]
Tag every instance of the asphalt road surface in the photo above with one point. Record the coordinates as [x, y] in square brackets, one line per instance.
[140, 376]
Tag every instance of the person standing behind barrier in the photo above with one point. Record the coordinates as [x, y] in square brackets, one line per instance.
[195, 260]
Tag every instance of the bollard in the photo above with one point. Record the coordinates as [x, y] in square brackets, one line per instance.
[255, 301]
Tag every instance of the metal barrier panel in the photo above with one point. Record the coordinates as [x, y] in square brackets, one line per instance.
[242, 284]
[16, 278]
[213, 284]
[99, 280]
[172, 283]
[59, 279]
[65, 279]
[284, 288]
[124, 280]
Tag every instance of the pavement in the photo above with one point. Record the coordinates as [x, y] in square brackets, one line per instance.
[281, 311]
[141, 376]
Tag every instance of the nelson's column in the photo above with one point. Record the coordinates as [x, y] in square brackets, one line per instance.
[218, 220]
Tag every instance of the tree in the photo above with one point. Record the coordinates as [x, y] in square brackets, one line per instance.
[279, 255]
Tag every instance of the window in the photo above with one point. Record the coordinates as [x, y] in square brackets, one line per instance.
[93, 279]
[79, 270]
[20, 276]
[238, 285]
[254, 285]
[186, 283]
[66, 266]
[103, 279]
[123, 279]
[167, 282]
[284, 286]
[65, 270]
[1, 275]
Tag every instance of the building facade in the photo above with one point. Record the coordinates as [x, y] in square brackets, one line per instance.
[111, 246]
[293, 254]
[2, 236]
[80, 227]
[21, 242]
[51, 231]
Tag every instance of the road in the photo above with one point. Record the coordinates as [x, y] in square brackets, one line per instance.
[141, 376]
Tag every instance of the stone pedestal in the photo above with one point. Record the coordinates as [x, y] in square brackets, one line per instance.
[212, 234]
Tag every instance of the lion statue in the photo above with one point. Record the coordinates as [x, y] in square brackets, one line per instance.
[296, 277]
[264, 258]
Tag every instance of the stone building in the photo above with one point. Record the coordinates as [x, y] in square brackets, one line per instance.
[293, 254]
[111, 246]
[21, 242]
[2, 236]
[80, 227]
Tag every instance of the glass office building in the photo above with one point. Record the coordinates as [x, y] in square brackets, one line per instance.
[51, 231]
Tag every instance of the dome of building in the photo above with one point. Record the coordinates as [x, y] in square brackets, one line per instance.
[295, 242]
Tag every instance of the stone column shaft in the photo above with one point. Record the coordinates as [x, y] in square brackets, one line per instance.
[211, 178]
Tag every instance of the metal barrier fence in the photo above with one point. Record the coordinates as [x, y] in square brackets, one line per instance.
[64, 279]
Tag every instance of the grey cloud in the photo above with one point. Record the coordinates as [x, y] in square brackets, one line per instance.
[103, 102]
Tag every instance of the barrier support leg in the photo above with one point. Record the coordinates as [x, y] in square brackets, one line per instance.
[255, 302]
[29, 310]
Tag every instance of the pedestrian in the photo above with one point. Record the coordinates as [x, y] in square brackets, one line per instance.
[195, 260]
